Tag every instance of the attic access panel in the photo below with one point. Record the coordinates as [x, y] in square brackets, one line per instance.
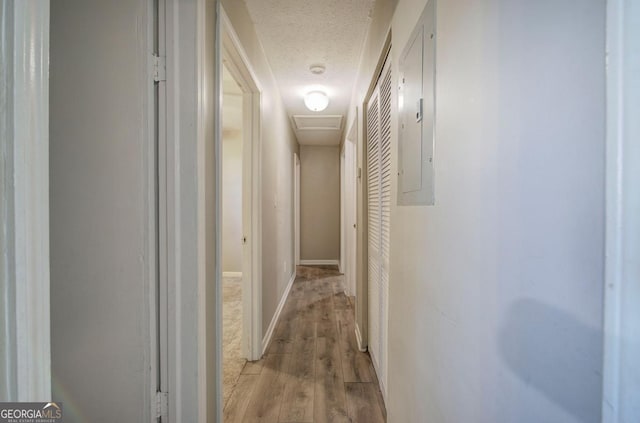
[317, 122]
[416, 106]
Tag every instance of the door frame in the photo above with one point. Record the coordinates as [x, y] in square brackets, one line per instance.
[158, 217]
[620, 394]
[296, 208]
[25, 317]
[343, 226]
[237, 62]
[193, 90]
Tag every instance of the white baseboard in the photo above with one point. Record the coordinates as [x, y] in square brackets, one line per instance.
[231, 274]
[359, 339]
[274, 321]
[319, 262]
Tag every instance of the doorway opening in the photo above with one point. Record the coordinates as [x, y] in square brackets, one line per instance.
[296, 208]
[233, 357]
[240, 199]
[348, 216]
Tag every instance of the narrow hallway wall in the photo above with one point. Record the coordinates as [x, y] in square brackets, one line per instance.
[495, 295]
[319, 203]
[232, 183]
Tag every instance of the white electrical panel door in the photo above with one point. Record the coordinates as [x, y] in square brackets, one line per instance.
[416, 113]
[379, 217]
[411, 116]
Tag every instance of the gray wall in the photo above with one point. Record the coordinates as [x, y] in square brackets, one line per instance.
[495, 293]
[99, 211]
[278, 145]
[232, 183]
[319, 203]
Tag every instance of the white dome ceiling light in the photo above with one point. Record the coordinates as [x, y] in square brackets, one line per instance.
[316, 101]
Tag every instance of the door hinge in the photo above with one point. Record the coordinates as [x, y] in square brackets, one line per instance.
[162, 405]
[159, 68]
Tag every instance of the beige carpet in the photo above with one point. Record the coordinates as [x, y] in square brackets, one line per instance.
[232, 361]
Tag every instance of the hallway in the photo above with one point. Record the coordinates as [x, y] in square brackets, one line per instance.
[470, 167]
[312, 370]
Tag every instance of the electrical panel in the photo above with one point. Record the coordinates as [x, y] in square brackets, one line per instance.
[416, 107]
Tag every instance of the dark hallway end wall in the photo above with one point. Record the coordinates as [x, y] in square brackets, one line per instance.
[319, 203]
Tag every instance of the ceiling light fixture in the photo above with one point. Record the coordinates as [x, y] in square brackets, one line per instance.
[316, 101]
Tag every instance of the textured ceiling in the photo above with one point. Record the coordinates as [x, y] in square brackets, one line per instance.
[299, 33]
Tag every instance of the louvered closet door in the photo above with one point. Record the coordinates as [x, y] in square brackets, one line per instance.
[379, 214]
[373, 190]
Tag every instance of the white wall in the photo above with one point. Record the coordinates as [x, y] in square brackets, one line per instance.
[319, 203]
[231, 183]
[278, 146]
[495, 297]
[99, 212]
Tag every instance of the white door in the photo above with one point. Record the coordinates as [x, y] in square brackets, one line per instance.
[296, 205]
[379, 206]
[350, 217]
[343, 223]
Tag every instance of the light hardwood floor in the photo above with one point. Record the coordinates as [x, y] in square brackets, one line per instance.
[312, 371]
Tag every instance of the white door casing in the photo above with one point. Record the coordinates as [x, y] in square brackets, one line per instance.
[621, 386]
[25, 354]
[296, 205]
[342, 264]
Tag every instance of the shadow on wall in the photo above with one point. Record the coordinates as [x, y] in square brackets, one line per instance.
[555, 354]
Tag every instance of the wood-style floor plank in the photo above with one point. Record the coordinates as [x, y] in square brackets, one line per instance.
[266, 397]
[326, 317]
[238, 402]
[252, 367]
[341, 301]
[312, 371]
[282, 339]
[362, 403]
[305, 321]
[380, 398]
[299, 381]
[330, 397]
[357, 366]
